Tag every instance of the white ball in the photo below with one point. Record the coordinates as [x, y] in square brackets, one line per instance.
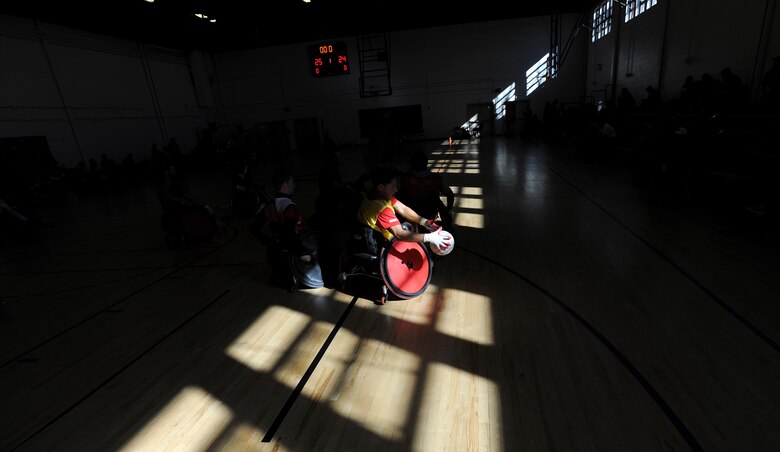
[445, 251]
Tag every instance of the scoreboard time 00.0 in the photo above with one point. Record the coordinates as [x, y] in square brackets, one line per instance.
[329, 58]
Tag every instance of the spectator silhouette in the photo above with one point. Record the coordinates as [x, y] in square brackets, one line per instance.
[173, 152]
[770, 86]
[652, 103]
[732, 90]
[128, 168]
[688, 95]
[626, 102]
[532, 124]
[707, 90]
[550, 116]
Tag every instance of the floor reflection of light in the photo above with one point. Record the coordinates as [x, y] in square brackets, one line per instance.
[467, 191]
[268, 338]
[193, 414]
[450, 152]
[326, 295]
[460, 171]
[470, 203]
[505, 165]
[468, 198]
[380, 397]
[459, 411]
[470, 220]
[245, 437]
[471, 321]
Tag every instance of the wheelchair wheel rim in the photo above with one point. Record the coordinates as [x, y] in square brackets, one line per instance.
[406, 268]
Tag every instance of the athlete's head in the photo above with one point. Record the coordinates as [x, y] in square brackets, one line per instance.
[283, 181]
[385, 180]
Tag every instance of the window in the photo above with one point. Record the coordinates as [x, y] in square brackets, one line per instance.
[540, 72]
[472, 125]
[602, 23]
[637, 7]
[507, 95]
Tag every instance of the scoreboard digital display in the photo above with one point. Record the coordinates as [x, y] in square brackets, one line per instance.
[329, 58]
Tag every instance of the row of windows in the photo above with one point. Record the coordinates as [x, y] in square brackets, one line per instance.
[545, 68]
[540, 72]
[602, 15]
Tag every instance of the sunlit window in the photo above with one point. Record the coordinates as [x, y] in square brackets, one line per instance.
[602, 23]
[472, 125]
[637, 7]
[507, 95]
[540, 72]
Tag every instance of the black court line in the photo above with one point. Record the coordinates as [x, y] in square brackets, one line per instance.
[733, 312]
[305, 378]
[122, 369]
[90, 317]
[678, 424]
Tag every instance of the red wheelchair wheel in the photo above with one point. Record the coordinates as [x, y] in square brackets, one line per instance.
[406, 268]
[197, 225]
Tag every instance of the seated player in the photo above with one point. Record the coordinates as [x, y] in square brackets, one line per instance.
[289, 235]
[184, 217]
[379, 211]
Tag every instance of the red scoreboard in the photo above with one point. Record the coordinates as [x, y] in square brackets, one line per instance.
[329, 58]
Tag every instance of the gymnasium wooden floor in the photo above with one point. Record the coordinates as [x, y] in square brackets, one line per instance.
[575, 314]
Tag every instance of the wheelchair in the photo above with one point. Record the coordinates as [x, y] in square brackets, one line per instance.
[246, 201]
[306, 274]
[288, 270]
[400, 269]
[187, 224]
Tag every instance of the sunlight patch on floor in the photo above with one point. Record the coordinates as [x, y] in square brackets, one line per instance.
[379, 400]
[470, 203]
[467, 191]
[267, 339]
[193, 414]
[459, 411]
[468, 317]
[246, 437]
[470, 220]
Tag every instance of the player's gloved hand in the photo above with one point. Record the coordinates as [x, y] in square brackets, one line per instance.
[428, 224]
[438, 240]
[305, 258]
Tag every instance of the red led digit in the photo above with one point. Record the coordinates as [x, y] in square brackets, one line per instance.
[329, 59]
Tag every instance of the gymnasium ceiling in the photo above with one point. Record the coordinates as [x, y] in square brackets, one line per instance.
[247, 24]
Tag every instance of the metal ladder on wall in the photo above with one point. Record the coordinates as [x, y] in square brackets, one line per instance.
[374, 59]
